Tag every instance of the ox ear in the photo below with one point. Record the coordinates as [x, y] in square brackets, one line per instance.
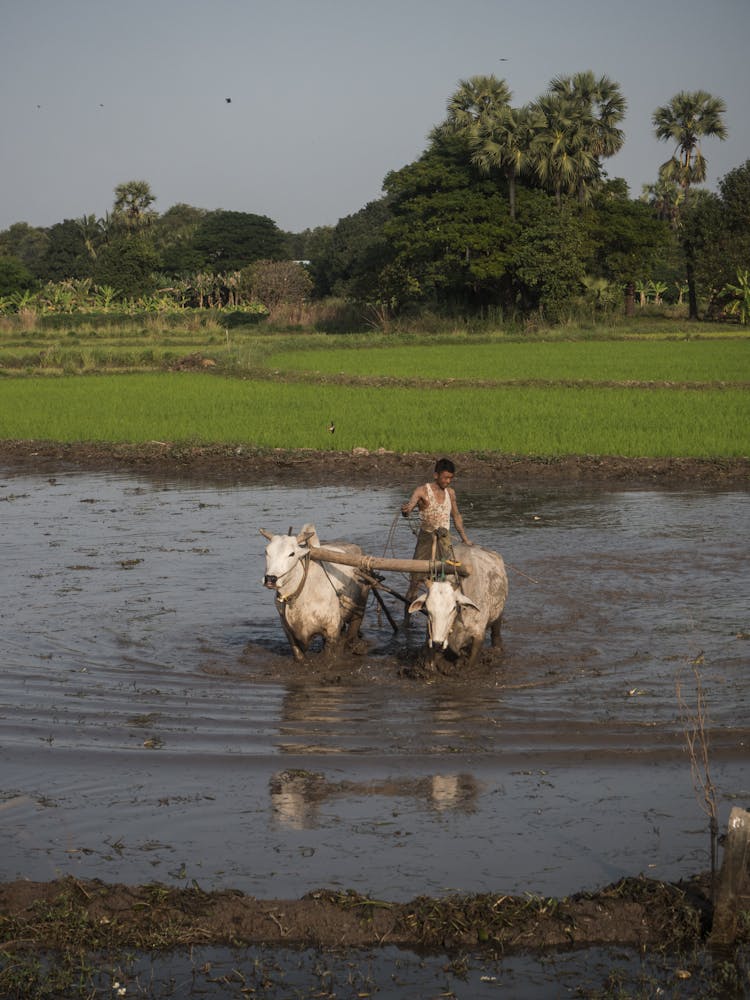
[266, 534]
[465, 602]
[417, 604]
[304, 537]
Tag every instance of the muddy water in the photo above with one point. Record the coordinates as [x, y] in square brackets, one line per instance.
[154, 726]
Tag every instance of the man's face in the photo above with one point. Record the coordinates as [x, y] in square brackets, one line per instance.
[444, 479]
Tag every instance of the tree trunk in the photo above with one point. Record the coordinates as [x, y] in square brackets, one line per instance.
[692, 295]
[630, 298]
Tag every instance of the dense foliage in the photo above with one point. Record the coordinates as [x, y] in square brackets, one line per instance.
[507, 211]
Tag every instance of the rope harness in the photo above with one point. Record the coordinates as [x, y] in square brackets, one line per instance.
[287, 599]
[347, 604]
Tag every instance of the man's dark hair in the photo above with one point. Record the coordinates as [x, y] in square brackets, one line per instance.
[444, 465]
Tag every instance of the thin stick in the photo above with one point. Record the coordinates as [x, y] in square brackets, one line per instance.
[382, 604]
[696, 739]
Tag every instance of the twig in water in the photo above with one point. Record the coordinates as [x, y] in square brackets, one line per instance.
[696, 739]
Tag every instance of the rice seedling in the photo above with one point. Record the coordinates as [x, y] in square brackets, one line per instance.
[585, 360]
[542, 421]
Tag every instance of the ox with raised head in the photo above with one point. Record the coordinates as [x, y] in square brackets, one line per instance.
[313, 598]
[458, 619]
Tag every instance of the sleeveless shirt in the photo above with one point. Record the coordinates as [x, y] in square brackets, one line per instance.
[436, 515]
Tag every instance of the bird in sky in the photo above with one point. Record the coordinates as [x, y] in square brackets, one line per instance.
[228, 100]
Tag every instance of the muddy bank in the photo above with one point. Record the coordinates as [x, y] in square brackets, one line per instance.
[633, 912]
[244, 464]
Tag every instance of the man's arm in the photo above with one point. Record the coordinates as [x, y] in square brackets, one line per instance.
[413, 501]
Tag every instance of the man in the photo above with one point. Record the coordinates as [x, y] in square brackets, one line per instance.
[437, 504]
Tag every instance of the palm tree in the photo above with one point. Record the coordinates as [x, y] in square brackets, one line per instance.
[665, 198]
[600, 101]
[595, 107]
[498, 136]
[475, 97]
[688, 118]
[133, 200]
[504, 140]
[561, 149]
[92, 233]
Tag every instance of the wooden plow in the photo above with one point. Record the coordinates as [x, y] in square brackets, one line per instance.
[368, 566]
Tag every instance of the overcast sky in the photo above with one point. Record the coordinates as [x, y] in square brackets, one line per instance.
[327, 96]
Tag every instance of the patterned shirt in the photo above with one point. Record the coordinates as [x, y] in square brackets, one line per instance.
[436, 515]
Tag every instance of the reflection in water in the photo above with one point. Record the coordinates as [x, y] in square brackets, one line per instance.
[313, 718]
[296, 795]
[365, 714]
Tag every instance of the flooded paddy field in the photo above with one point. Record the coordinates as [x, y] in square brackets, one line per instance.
[154, 727]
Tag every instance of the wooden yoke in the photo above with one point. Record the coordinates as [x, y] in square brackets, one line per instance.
[369, 563]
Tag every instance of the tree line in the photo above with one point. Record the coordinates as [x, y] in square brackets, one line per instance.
[508, 208]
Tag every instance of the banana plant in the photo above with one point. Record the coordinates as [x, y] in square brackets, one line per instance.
[643, 289]
[104, 296]
[740, 304]
[23, 300]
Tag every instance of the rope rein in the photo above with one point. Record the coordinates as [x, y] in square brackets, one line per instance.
[287, 599]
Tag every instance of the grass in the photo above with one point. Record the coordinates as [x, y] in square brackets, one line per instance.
[194, 408]
[585, 361]
[86, 342]
[621, 390]
[660, 360]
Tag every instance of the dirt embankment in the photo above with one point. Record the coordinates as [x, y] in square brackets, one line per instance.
[636, 912]
[244, 464]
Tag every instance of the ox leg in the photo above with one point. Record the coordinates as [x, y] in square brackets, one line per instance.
[476, 645]
[496, 637]
[355, 622]
[353, 611]
[332, 642]
[298, 650]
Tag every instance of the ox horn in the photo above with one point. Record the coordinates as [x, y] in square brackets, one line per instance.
[265, 534]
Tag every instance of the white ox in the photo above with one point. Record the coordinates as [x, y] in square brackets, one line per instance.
[458, 620]
[313, 598]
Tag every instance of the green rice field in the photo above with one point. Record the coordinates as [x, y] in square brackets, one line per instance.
[535, 421]
[595, 361]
